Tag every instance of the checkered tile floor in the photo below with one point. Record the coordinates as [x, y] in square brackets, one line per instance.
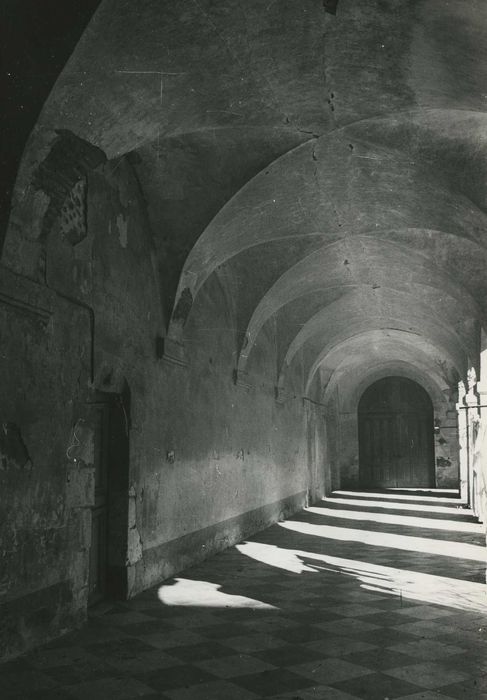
[340, 601]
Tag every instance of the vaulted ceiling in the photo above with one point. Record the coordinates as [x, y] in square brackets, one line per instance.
[334, 165]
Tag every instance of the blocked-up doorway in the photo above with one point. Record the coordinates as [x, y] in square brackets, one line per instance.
[396, 435]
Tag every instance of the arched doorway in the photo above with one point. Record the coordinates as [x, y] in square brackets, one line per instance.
[396, 435]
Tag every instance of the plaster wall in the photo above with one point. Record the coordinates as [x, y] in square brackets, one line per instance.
[211, 461]
[44, 517]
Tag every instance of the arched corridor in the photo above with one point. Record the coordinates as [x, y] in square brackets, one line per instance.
[242, 286]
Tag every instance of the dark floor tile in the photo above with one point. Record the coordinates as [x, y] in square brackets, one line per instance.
[166, 612]
[254, 642]
[271, 625]
[350, 627]
[376, 686]
[176, 677]
[117, 647]
[51, 694]
[429, 674]
[272, 682]
[339, 646]
[23, 682]
[386, 619]
[379, 659]
[93, 632]
[113, 687]
[200, 652]
[311, 617]
[214, 690]
[386, 636]
[242, 614]
[288, 655]
[329, 670]
[220, 631]
[114, 609]
[474, 664]
[301, 635]
[16, 666]
[148, 627]
[475, 688]
[79, 673]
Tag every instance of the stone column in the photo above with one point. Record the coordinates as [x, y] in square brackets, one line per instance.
[472, 403]
[482, 434]
[463, 442]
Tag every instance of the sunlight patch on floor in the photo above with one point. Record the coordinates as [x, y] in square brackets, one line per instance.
[203, 594]
[439, 590]
[408, 520]
[445, 548]
[420, 507]
[402, 496]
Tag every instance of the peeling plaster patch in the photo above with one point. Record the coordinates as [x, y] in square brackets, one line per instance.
[134, 544]
[442, 462]
[13, 452]
[122, 226]
[134, 548]
[69, 161]
[72, 216]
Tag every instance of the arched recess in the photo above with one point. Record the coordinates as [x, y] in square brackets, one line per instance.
[339, 376]
[341, 398]
[396, 435]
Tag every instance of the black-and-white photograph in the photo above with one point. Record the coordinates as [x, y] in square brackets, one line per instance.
[243, 349]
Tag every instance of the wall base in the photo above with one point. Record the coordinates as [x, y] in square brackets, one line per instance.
[167, 559]
[37, 618]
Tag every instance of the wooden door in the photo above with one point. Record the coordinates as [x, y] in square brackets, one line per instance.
[396, 433]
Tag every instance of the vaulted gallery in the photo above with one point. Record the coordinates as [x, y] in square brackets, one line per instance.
[244, 266]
